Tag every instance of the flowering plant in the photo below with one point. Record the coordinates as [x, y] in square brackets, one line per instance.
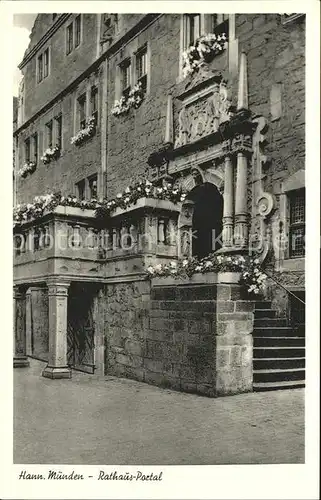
[205, 48]
[133, 100]
[26, 211]
[142, 189]
[251, 275]
[50, 154]
[86, 132]
[28, 168]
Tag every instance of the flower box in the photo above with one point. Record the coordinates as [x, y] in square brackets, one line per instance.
[85, 133]
[133, 100]
[147, 203]
[50, 154]
[205, 48]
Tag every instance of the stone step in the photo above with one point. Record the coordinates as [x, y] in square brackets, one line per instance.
[273, 386]
[278, 363]
[278, 341]
[262, 304]
[278, 352]
[279, 331]
[264, 313]
[275, 375]
[264, 322]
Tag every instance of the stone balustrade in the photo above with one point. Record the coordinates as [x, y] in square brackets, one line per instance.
[69, 235]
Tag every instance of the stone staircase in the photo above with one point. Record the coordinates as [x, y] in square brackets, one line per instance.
[278, 351]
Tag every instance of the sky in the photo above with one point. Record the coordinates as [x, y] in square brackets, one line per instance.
[22, 24]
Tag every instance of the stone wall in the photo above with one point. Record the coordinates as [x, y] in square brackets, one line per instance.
[191, 338]
[63, 68]
[75, 162]
[132, 137]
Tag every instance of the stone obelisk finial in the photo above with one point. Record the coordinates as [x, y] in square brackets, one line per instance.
[242, 98]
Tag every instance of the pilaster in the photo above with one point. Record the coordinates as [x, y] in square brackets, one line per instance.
[58, 306]
[20, 359]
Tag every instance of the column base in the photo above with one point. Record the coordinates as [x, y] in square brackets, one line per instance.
[21, 361]
[54, 372]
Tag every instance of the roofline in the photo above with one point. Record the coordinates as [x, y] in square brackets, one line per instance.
[61, 19]
[142, 24]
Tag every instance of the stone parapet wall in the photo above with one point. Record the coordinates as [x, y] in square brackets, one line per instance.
[189, 338]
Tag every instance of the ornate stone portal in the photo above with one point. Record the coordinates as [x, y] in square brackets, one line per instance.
[213, 141]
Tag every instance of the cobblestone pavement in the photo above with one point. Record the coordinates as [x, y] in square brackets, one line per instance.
[87, 420]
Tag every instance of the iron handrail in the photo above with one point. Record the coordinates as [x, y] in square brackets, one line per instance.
[280, 285]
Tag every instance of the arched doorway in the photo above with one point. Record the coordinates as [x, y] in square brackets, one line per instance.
[206, 220]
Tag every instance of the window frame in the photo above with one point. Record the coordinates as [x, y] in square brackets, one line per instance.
[81, 188]
[91, 179]
[125, 70]
[292, 198]
[69, 38]
[141, 53]
[40, 68]
[58, 131]
[35, 146]
[77, 33]
[73, 34]
[27, 150]
[82, 111]
[94, 102]
[46, 63]
[49, 134]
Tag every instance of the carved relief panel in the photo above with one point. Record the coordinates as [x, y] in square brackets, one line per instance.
[202, 113]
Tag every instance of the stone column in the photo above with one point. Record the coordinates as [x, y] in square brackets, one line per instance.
[228, 208]
[58, 301]
[29, 321]
[244, 148]
[20, 359]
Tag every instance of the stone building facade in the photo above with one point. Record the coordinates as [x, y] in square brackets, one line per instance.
[109, 99]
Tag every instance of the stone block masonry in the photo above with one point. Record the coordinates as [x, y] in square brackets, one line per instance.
[180, 337]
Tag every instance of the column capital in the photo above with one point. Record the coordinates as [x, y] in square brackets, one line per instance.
[242, 143]
[57, 287]
[17, 292]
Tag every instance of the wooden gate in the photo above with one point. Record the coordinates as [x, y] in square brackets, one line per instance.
[80, 329]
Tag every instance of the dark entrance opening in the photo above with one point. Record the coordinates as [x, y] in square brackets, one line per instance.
[81, 328]
[207, 219]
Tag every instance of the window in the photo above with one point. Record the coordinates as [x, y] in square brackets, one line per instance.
[93, 187]
[43, 65]
[297, 223]
[77, 30]
[35, 148]
[80, 186]
[27, 150]
[193, 28]
[82, 111]
[141, 67]
[70, 38]
[125, 69]
[219, 24]
[49, 134]
[58, 123]
[73, 34]
[46, 63]
[94, 102]
[40, 68]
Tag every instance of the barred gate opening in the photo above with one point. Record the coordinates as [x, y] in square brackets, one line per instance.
[81, 328]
